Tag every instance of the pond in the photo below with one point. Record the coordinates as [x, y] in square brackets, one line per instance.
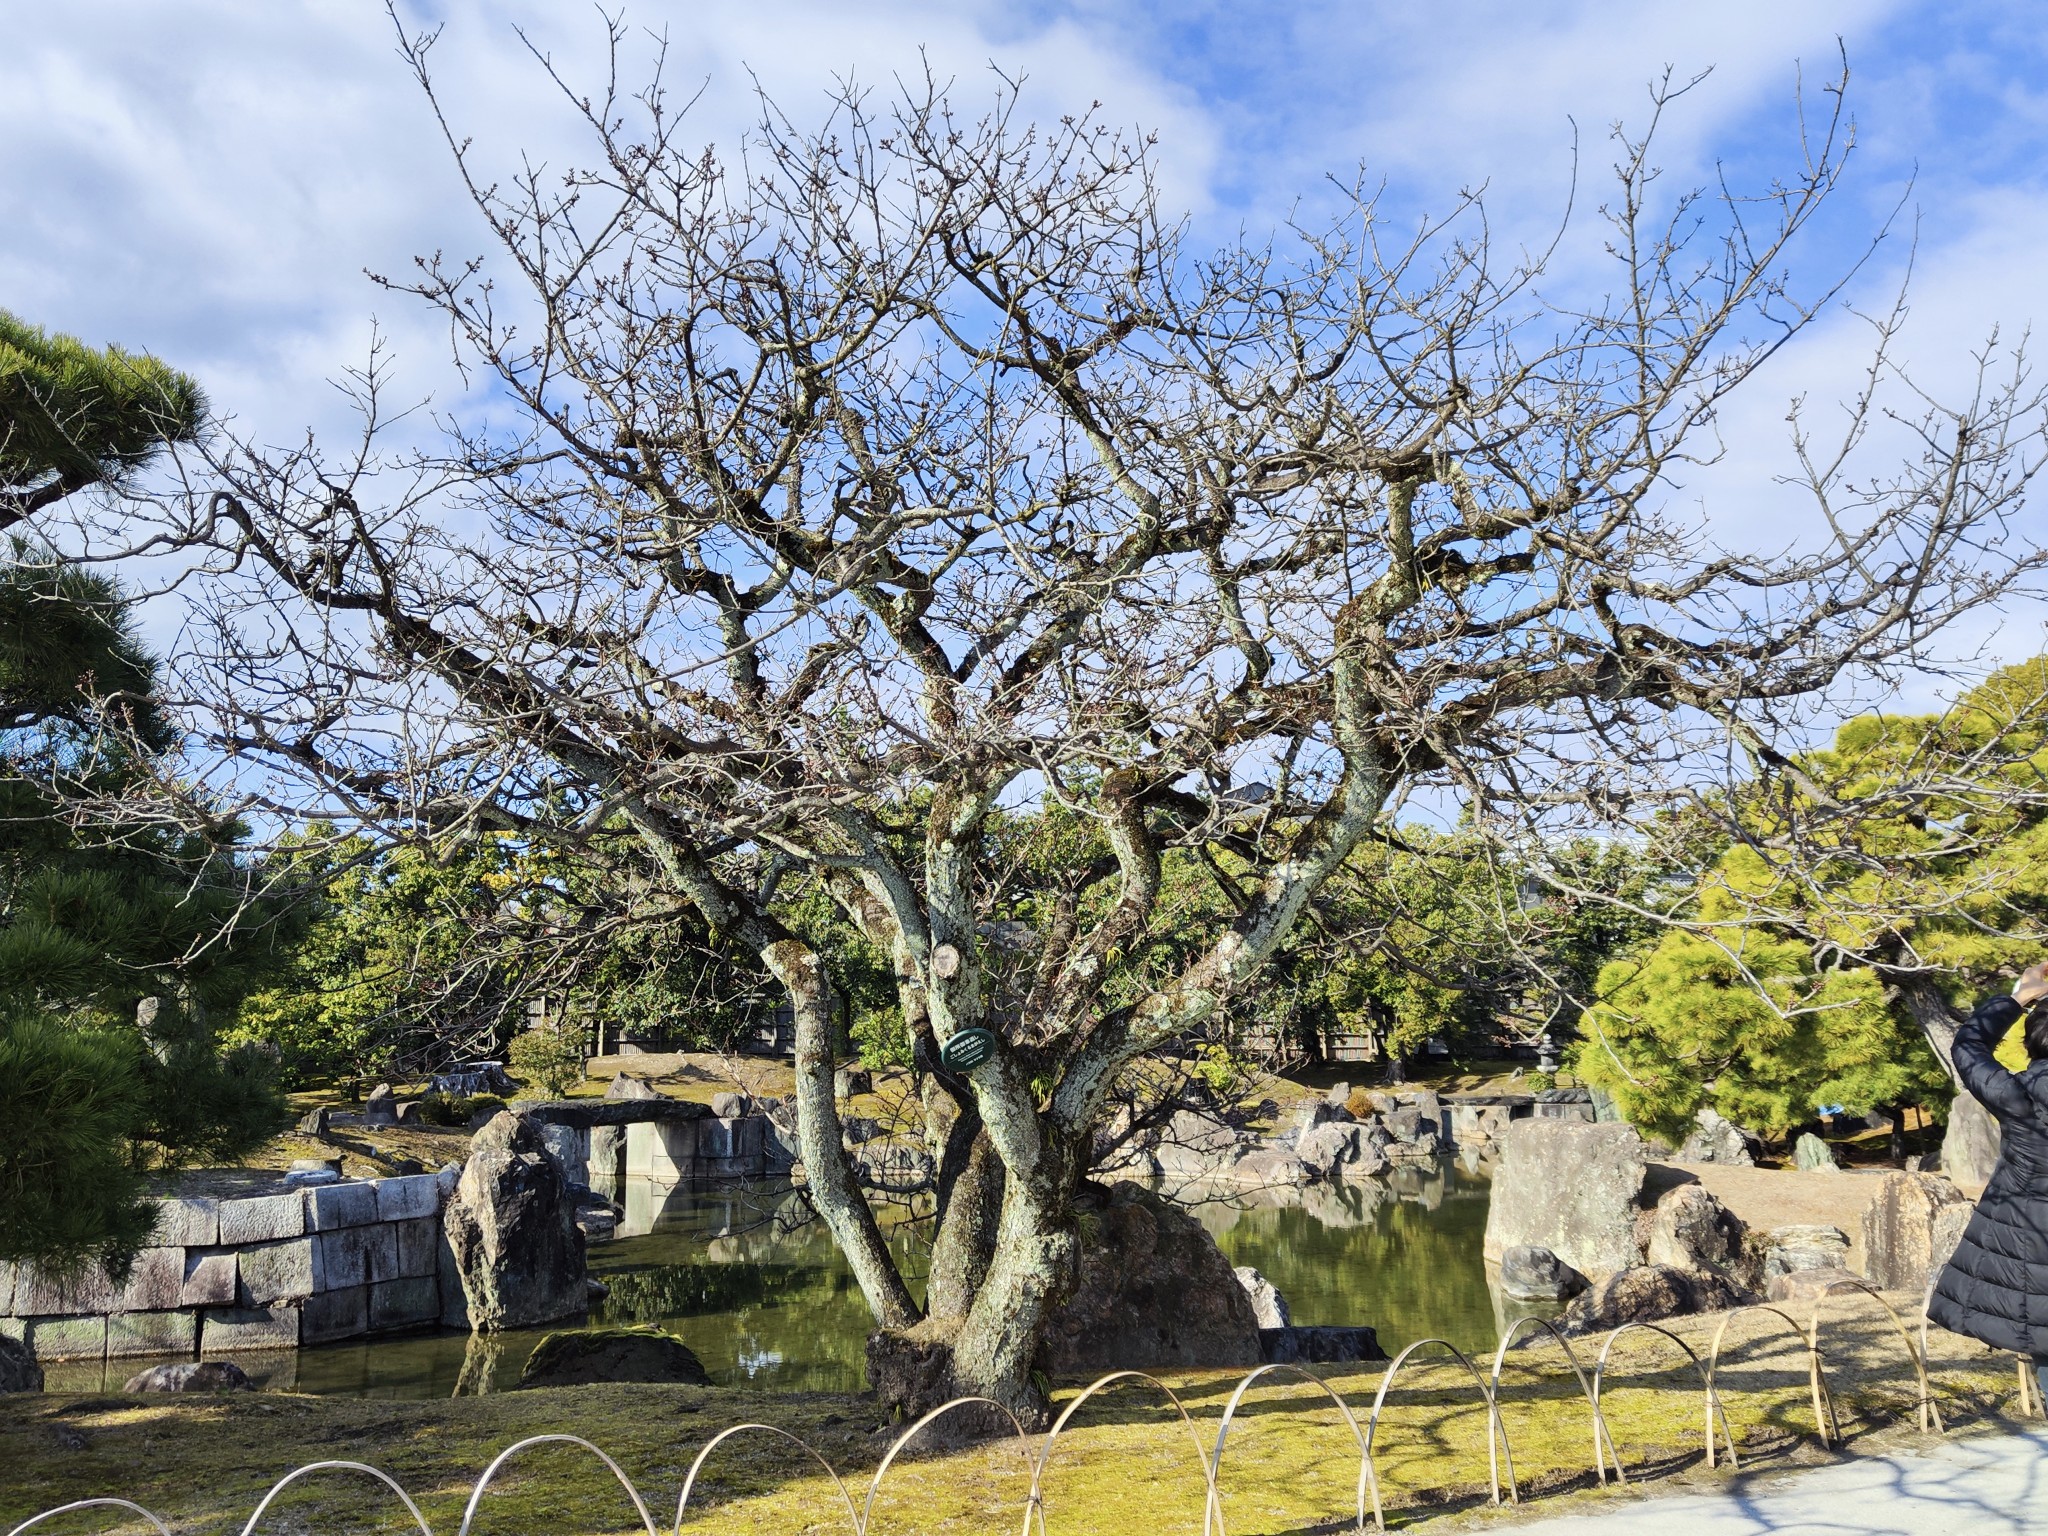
[763, 1298]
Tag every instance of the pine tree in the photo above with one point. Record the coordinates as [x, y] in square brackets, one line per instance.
[1830, 967]
[121, 953]
[72, 416]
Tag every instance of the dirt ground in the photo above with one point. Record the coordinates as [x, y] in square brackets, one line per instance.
[695, 1074]
[1783, 1197]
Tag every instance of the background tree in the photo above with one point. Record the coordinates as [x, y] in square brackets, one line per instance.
[121, 953]
[1449, 936]
[406, 961]
[416, 955]
[1878, 889]
[917, 468]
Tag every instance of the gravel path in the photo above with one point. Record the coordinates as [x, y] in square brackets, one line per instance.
[1983, 1485]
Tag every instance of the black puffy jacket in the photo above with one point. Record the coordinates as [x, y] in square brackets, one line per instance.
[1995, 1288]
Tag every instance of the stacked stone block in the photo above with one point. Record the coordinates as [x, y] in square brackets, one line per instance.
[306, 1266]
[717, 1147]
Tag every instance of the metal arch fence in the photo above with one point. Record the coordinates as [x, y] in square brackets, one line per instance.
[1209, 1462]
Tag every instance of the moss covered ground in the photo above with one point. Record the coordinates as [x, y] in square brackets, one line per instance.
[1126, 1466]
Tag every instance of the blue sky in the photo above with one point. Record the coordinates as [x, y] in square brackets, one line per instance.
[210, 179]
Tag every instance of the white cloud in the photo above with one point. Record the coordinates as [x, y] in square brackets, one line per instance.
[209, 180]
[1973, 277]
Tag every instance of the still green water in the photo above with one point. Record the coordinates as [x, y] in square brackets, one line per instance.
[1401, 1253]
[763, 1298]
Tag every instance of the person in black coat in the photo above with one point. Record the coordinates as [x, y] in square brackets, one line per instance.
[1995, 1287]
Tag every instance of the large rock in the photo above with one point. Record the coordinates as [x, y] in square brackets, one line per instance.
[1718, 1140]
[1571, 1188]
[780, 1150]
[18, 1369]
[1154, 1290]
[1197, 1132]
[1801, 1247]
[1813, 1155]
[1196, 1146]
[192, 1376]
[889, 1164]
[1269, 1307]
[472, 1078]
[1565, 1104]
[1690, 1229]
[1339, 1150]
[381, 1108]
[1898, 1230]
[612, 1354]
[1946, 1233]
[1318, 1112]
[1319, 1345]
[1530, 1273]
[626, 1087]
[1411, 1126]
[1268, 1166]
[511, 1228]
[1969, 1150]
[1649, 1293]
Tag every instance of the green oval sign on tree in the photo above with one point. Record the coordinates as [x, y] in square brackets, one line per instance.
[967, 1050]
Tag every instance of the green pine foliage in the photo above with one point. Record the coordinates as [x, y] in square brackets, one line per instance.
[71, 666]
[70, 1095]
[120, 957]
[1438, 935]
[413, 956]
[1786, 990]
[73, 416]
[123, 953]
[401, 948]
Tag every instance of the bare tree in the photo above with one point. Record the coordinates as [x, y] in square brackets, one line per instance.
[824, 504]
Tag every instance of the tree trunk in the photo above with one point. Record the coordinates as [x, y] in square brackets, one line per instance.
[991, 1350]
[1937, 1020]
[970, 1215]
[833, 1190]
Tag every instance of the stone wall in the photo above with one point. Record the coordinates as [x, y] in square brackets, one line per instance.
[273, 1271]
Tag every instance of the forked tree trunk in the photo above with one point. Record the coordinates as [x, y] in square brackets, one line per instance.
[990, 1348]
[970, 1217]
[1937, 1020]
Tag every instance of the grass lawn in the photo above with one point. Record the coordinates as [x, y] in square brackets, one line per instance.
[1126, 1467]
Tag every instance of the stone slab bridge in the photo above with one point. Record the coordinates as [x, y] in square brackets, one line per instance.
[599, 1142]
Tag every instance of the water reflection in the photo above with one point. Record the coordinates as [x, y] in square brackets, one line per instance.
[1401, 1254]
[751, 1282]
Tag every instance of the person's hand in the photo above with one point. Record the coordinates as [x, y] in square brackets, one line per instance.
[2032, 985]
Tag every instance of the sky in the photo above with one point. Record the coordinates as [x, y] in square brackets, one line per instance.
[211, 180]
